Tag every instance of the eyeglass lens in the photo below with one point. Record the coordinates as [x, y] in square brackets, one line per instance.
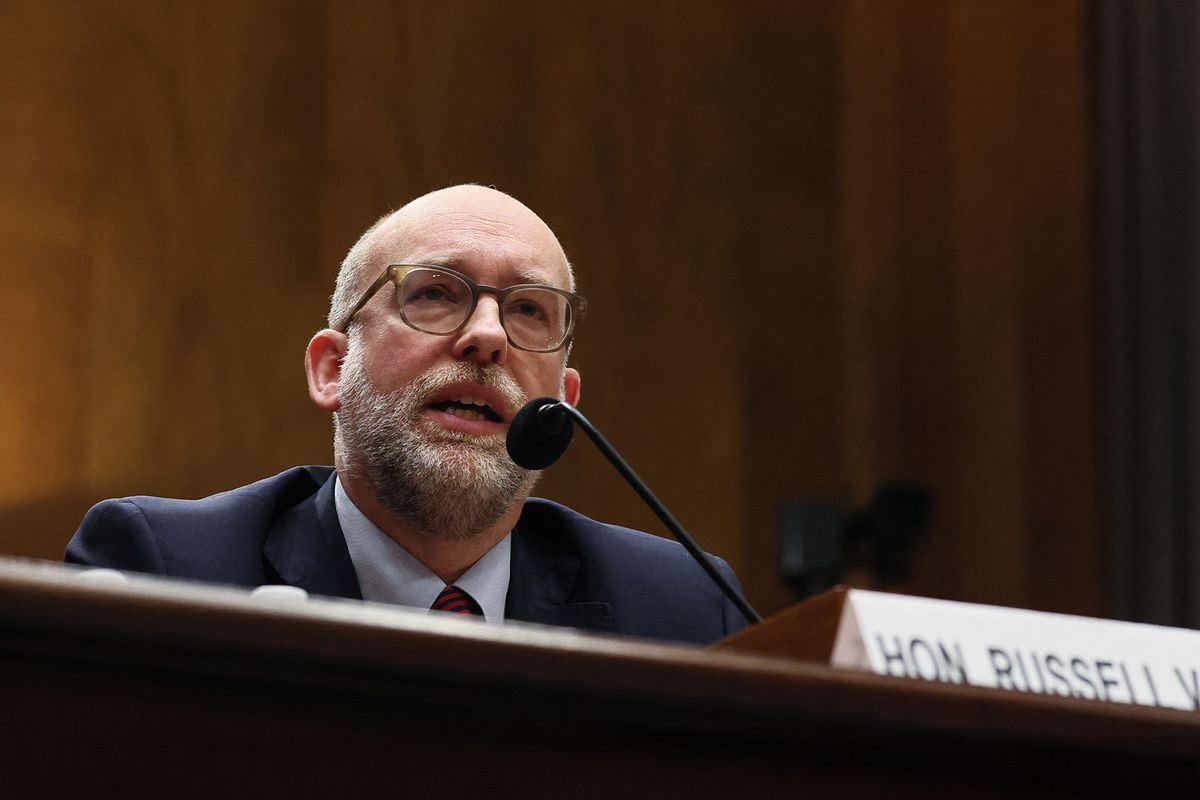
[438, 302]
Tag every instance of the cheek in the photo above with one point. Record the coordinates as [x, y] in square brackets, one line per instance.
[391, 360]
[542, 380]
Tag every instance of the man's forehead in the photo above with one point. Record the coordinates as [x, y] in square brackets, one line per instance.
[507, 236]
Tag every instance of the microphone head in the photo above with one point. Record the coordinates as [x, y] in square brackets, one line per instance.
[539, 433]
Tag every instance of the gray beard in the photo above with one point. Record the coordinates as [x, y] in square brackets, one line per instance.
[442, 483]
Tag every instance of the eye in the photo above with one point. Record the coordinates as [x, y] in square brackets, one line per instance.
[525, 308]
[433, 293]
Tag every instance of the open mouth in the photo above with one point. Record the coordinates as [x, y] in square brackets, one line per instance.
[468, 407]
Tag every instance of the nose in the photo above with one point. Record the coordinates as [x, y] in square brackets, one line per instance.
[482, 339]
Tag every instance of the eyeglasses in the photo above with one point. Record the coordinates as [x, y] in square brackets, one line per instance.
[439, 301]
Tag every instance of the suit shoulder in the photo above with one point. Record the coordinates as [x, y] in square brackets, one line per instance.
[576, 530]
[164, 535]
[114, 533]
[549, 516]
[270, 494]
[653, 585]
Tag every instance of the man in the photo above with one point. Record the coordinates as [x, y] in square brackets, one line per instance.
[447, 316]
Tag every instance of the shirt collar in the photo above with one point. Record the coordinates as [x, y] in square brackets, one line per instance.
[387, 573]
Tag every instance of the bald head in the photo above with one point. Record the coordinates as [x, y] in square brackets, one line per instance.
[481, 219]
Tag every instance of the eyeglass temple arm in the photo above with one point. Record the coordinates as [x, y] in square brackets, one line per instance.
[366, 298]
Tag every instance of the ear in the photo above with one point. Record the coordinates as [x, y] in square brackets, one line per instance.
[571, 386]
[323, 366]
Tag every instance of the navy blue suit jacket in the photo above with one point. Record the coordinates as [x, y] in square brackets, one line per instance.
[566, 569]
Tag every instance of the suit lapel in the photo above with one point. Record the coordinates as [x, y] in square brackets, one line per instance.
[541, 581]
[306, 547]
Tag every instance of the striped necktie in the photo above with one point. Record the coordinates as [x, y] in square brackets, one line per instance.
[456, 601]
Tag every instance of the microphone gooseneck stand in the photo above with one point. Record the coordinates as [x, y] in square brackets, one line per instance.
[546, 409]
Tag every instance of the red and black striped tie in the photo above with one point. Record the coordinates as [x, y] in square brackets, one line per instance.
[456, 601]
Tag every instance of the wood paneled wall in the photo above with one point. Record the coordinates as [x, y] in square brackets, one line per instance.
[966, 354]
[825, 245]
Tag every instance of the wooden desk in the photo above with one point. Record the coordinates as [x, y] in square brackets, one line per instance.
[174, 689]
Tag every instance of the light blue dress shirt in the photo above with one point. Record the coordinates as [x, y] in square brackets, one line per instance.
[387, 573]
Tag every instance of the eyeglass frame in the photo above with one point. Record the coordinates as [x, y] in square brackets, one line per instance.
[576, 302]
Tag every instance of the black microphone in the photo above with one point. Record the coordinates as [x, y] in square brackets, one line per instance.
[540, 433]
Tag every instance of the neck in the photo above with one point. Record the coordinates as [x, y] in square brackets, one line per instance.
[446, 556]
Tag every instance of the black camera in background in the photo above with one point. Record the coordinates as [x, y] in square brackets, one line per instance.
[821, 542]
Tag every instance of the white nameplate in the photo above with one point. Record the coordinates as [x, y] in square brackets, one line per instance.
[1017, 650]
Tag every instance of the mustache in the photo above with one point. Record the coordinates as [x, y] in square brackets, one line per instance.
[434, 379]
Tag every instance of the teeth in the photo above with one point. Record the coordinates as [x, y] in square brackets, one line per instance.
[467, 400]
[467, 407]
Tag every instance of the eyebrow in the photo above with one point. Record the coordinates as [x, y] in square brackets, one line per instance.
[527, 276]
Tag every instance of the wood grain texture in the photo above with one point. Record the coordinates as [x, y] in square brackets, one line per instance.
[968, 346]
[144, 682]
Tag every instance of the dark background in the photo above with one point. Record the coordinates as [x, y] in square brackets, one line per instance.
[825, 246]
